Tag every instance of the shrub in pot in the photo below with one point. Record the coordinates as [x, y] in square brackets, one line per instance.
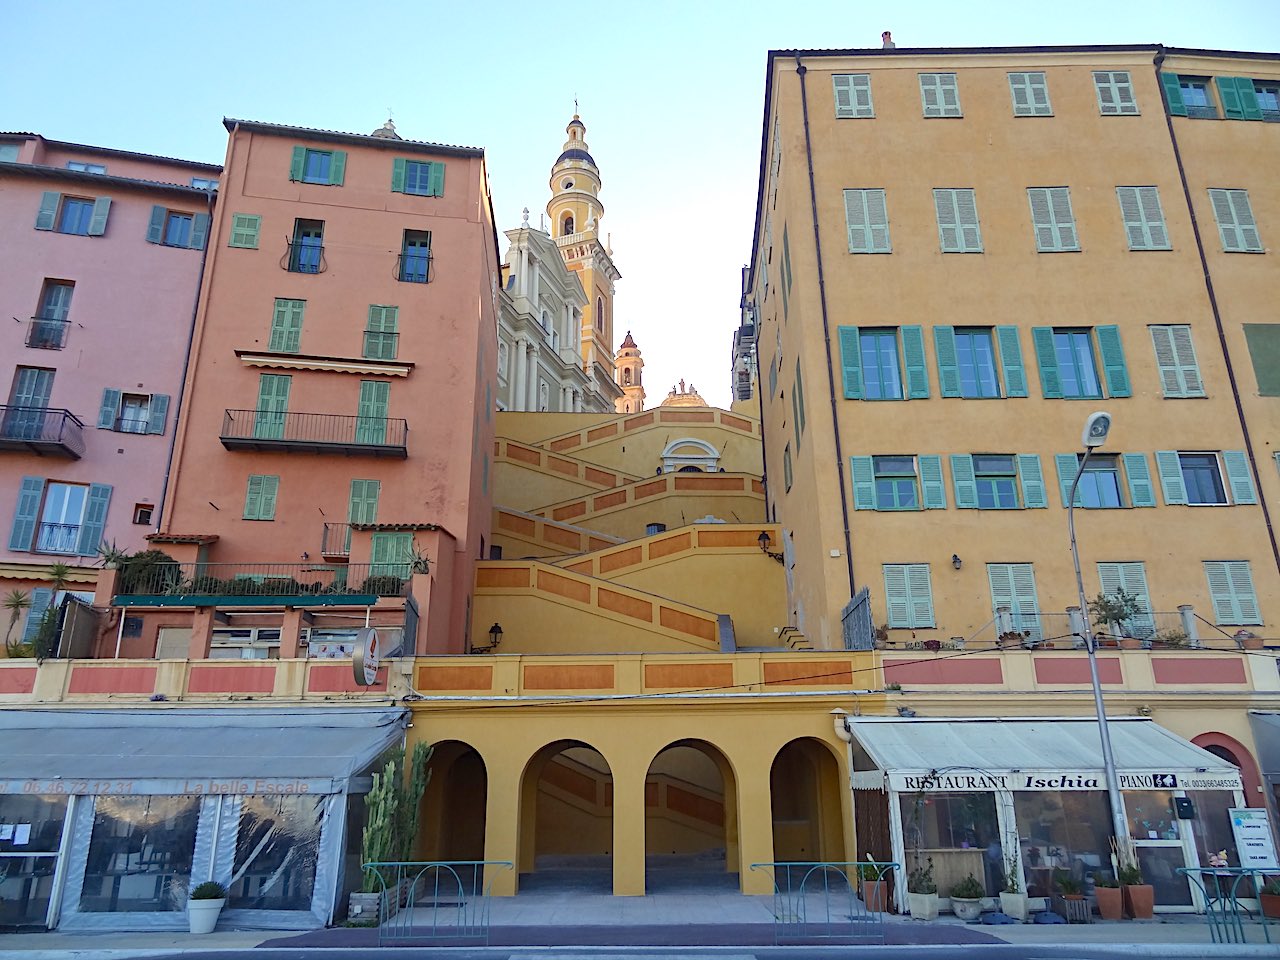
[1067, 885]
[1139, 897]
[1013, 901]
[205, 903]
[1270, 898]
[922, 892]
[966, 898]
[1110, 900]
[873, 886]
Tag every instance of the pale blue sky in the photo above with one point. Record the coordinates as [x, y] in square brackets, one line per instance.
[671, 94]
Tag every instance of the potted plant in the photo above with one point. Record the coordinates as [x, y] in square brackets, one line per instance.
[966, 898]
[204, 905]
[1139, 897]
[1013, 901]
[1110, 901]
[922, 892]
[1115, 610]
[1247, 640]
[1269, 897]
[1067, 885]
[873, 885]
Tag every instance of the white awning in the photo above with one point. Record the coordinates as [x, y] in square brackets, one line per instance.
[959, 754]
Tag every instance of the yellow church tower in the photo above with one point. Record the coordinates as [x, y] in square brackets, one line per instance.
[575, 211]
[630, 375]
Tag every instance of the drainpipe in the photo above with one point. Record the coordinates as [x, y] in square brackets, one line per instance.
[801, 70]
[1217, 314]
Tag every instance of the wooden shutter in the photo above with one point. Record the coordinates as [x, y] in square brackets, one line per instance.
[1049, 238]
[878, 221]
[1173, 94]
[939, 95]
[1015, 375]
[1142, 493]
[1172, 487]
[337, 167]
[914, 361]
[1231, 589]
[945, 205]
[934, 493]
[850, 363]
[371, 414]
[260, 497]
[1244, 220]
[867, 220]
[1032, 479]
[1143, 218]
[1132, 579]
[155, 229]
[391, 553]
[897, 596]
[1013, 585]
[244, 230]
[95, 519]
[109, 409]
[27, 513]
[963, 481]
[967, 218]
[398, 166]
[157, 413]
[298, 163]
[1239, 476]
[1239, 98]
[98, 222]
[1030, 93]
[1112, 350]
[41, 598]
[199, 231]
[852, 95]
[435, 182]
[1047, 359]
[1115, 92]
[863, 478]
[47, 216]
[1176, 361]
[286, 326]
[1236, 226]
[380, 340]
[1068, 465]
[363, 504]
[273, 405]
[944, 348]
[921, 594]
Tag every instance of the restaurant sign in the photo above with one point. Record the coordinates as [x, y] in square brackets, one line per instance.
[1023, 780]
[175, 786]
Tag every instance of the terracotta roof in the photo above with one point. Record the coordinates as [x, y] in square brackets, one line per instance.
[341, 136]
[201, 538]
[78, 176]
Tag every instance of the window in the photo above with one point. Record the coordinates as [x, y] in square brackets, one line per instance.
[260, 497]
[244, 230]
[204, 183]
[1189, 96]
[1013, 585]
[967, 365]
[996, 480]
[975, 362]
[1203, 478]
[175, 228]
[1053, 220]
[867, 221]
[371, 413]
[86, 167]
[957, 212]
[881, 379]
[786, 468]
[993, 481]
[272, 406]
[797, 401]
[1196, 478]
[417, 177]
[1176, 360]
[1267, 93]
[1102, 486]
[853, 95]
[362, 504]
[1030, 93]
[75, 215]
[286, 326]
[1143, 218]
[142, 513]
[415, 257]
[318, 166]
[306, 250]
[1066, 359]
[133, 412]
[391, 554]
[28, 400]
[252, 643]
[1115, 92]
[1264, 352]
[1231, 588]
[908, 595]
[940, 95]
[1236, 226]
[649, 530]
[380, 337]
[60, 518]
[1132, 579]
[889, 483]
[895, 479]
[869, 362]
[9, 152]
[49, 325]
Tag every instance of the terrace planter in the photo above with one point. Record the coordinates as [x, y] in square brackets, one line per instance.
[966, 909]
[1014, 905]
[873, 895]
[1110, 902]
[1270, 905]
[1139, 901]
[923, 906]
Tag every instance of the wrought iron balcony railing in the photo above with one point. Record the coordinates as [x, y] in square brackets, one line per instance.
[315, 433]
[42, 430]
[304, 256]
[414, 268]
[336, 540]
[45, 334]
[57, 538]
[178, 584]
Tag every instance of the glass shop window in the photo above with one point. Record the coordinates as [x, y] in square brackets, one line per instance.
[30, 831]
[1213, 825]
[1063, 834]
[958, 832]
[140, 854]
[276, 849]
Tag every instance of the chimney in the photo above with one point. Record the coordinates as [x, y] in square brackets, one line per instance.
[886, 41]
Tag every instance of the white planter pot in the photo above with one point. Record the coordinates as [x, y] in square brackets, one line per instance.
[202, 915]
[966, 909]
[923, 906]
[1014, 905]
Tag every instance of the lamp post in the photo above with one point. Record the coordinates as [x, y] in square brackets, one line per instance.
[1095, 433]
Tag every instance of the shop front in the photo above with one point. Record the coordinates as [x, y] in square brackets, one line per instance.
[988, 798]
[108, 817]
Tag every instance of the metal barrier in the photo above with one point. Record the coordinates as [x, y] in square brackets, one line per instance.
[434, 900]
[820, 900]
[1222, 889]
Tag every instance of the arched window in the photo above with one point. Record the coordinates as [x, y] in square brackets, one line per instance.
[599, 313]
[567, 225]
[626, 377]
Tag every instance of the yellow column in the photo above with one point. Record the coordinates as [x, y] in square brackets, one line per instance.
[502, 824]
[628, 827]
[755, 824]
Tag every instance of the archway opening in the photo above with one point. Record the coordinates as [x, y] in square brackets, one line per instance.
[691, 828]
[804, 797]
[566, 820]
[454, 804]
[567, 226]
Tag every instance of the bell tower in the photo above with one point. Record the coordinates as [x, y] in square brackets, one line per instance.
[629, 376]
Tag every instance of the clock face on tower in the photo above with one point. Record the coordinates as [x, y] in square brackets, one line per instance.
[566, 185]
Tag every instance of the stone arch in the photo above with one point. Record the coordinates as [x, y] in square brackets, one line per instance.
[566, 813]
[805, 803]
[566, 225]
[1238, 755]
[454, 804]
[690, 452]
[691, 815]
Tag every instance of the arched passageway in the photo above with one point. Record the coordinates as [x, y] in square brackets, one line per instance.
[454, 804]
[691, 834]
[804, 790]
[566, 820]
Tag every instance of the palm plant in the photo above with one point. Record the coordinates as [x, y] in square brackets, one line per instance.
[16, 602]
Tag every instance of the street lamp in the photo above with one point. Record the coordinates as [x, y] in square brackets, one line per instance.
[1095, 433]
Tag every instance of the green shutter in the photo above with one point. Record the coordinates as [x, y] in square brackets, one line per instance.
[944, 205]
[337, 167]
[1030, 93]
[963, 481]
[1047, 359]
[436, 180]
[921, 591]
[1052, 219]
[1176, 361]
[1112, 351]
[1143, 218]
[380, 340]
[397, 175]
[95, 519]
[1169, 466]
[897, 596]
[286, 326]
[1230, 97]
[23, 531]
[1173, 94]
[199, 231]
[363, 504]
[867, 220]
[1032, 480]
[391, 553]
[1142, 493]
[109, 410]
[917, 368]
[1231, 589]
[371, 416]
[98, 222]
[935, 494]
[1132, 579]
[1115, 92]
[273, 406]
[47, 217]
[850, 363]
[157, 413]
[863, 477]
[852, 95]
[298, 163]
[155, 229]
[1248, 98]
[795, 415]
[944, 347]
[260, 497]
[939, 95]
[799, 393]
[1239, 476]
[1015, 375]
[41, 598]
[244, 230]
[1068, 464]
[1236, 225]
[1013, 585]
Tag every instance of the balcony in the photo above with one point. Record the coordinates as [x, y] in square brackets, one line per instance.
[414, 268]
[44, 431]
[335, 542]
[304, 256]
[268, 430]
[43, 334]
[261, 584]
[61, 538]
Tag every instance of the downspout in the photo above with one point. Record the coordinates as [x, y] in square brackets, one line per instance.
[1217, 314]
[801, 70]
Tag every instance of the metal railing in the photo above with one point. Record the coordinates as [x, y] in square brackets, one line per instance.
[413, 268]
[303, 256]
[335, 541]
[379, 345]
[293, 580]
[40, 428]
[47, 334]
[57, 538]
[1201, 112]
[829, 900]
[434, 901]
[270, 429]
[1222, 889]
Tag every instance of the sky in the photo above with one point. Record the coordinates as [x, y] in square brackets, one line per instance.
[671, 94]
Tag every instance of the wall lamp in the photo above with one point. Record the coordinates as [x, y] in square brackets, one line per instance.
[495, 639]
[764, 540]
[956, 561]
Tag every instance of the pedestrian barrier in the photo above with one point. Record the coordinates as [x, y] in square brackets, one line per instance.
[1223, 889]
[434, 900]
[816, 901]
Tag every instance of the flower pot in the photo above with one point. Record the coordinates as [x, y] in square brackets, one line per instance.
[1250, 643]
[923, 906]
[202, 915]
[873, 895]
[1014, 905]
[1110, 902]
[1130, 643]
[1139, 901]
[966, 909]
[1270, 905]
